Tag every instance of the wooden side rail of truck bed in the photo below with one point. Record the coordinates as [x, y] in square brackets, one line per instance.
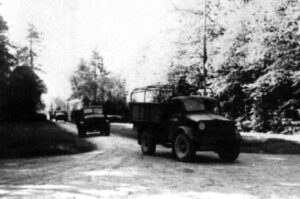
[147, 112]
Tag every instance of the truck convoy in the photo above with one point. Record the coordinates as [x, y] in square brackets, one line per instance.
[186, 123]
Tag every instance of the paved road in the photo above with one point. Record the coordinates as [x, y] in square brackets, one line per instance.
[119, 170]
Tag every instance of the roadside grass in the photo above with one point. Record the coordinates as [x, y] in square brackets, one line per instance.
[18, 140]
[270, 143]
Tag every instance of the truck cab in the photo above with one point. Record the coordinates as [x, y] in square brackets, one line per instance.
[185, 124]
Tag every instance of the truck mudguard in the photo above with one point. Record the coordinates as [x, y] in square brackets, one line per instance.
[186, 130]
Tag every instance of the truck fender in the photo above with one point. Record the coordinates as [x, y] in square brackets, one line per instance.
[186, 130]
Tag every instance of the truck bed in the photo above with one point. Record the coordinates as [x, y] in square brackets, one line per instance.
[147, 112]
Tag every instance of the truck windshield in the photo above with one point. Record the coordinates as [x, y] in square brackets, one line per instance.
[195, 105]
[97, 110]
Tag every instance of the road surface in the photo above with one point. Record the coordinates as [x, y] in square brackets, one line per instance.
[119, 170]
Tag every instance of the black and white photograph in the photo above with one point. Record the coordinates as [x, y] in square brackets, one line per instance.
[150, 99]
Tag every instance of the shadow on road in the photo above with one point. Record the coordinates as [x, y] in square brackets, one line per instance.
[36, 139]
[201, 157]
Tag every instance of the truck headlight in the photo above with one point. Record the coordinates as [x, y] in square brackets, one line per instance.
[201, 126]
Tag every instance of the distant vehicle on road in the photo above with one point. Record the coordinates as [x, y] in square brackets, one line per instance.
[51, 114]
[73, 108]
[60, 115]
[92, 119]
[187, 124]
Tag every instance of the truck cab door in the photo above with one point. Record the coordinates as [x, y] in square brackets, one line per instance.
[175, 117]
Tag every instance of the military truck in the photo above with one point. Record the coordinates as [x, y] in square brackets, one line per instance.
[184, 123]
[93, 119]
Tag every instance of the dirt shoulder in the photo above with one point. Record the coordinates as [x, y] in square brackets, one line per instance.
[39, 139]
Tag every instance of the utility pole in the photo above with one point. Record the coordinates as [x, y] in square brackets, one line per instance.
[202, 77]
[204, 46]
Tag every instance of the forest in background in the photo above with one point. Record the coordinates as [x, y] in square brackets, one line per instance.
[91, 80]
[253, 51]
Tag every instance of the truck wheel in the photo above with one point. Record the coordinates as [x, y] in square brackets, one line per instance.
[148, 145]
[229, 152]
[183, 149]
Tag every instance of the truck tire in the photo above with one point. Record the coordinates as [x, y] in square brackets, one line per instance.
[229, 152]
[148, 145]
[183, 149]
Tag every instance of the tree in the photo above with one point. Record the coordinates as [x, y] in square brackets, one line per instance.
[99, 72]
[253, 45]
[6, 62]
[20, 87]
[26, 55]
[263, 58]
[34, 39]
[59, 103]
[26, 89]
[98, 65]
[190, 53]
[82, 81]
[92, 80]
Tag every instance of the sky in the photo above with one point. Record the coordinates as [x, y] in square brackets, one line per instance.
[135, 37]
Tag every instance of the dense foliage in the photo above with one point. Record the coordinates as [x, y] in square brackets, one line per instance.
[253, 57]
[20, 86]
